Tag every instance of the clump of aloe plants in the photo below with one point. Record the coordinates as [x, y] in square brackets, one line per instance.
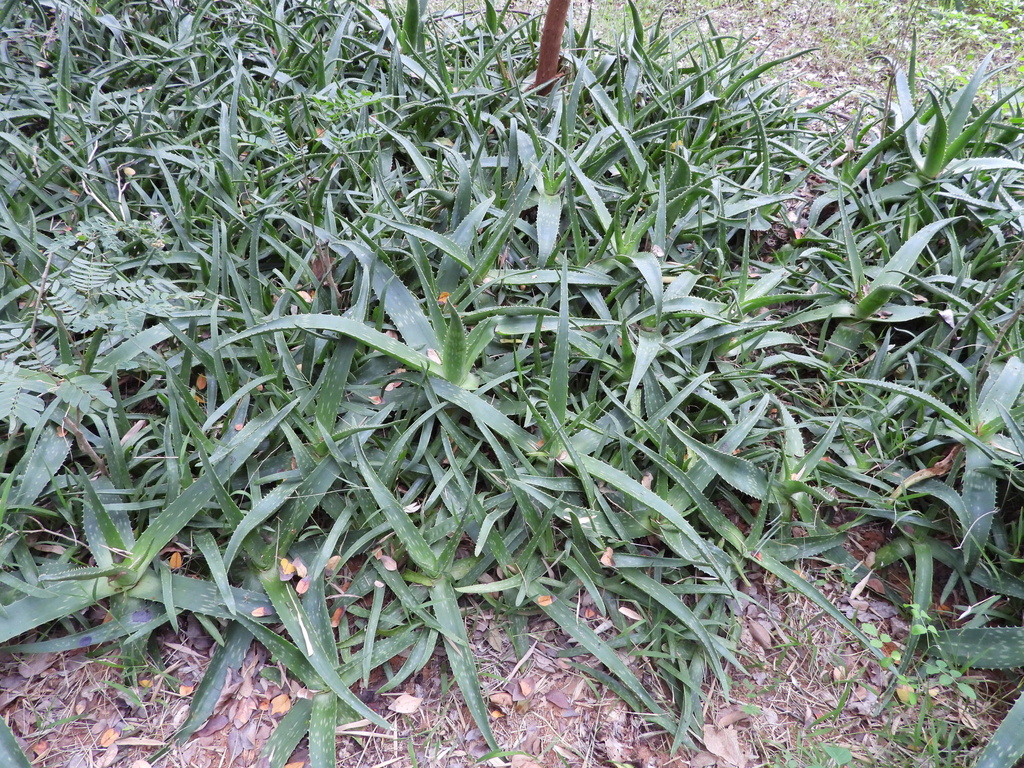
[331, 285]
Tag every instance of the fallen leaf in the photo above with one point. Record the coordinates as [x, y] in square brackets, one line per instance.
[629, 613]
[336, 616]
[296, 764]
[261, 611]
[333, 563]
[608, 558]
[545, 600]
[731, 716]
[724, 743]
[501, 699]
[527, 686]
[522, 761]
[285, 569]
[761, 634]
[213, 725]
[302, 585]
[938, 469]
[300, 567]
[558, 698]
[200, 382]
[40, 748]
[108, 737]
[109, 756]
[703, 760]
[280, 704]
[175, 561]
[405, 704]
[185, 690]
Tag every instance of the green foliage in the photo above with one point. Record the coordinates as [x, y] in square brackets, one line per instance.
[305, 282]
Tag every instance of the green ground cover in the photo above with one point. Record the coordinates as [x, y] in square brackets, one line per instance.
[326, 283]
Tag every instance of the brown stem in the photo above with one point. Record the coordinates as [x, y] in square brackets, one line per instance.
[551, 43]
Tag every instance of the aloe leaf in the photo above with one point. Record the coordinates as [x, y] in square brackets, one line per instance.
[455, 363]
[979, 494]
[712, 555]
[922, 397]
[323, 724]
[345, 326]
[294, 726]
[714, 648]
[983, 647]
[55, 602]
[10, 752]
[737, 472]
[44, 455]
[812, 593]
[179, 512]
[1006, 745]
[935, 157]
[204, 699]
[460, 656]
[965, 101]
[289, 609]
[549, 218]
[566, 618]
[999, 394]
[896, 269]
[558, 389]
[410, 537]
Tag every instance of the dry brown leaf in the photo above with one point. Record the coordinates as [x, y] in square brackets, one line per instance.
[724, 743]
[608, 558]
[761, 634]
[213, 725]
[336, 616]
[40, 747]
[302, 585]
[629, 613]
[387, 561]
[185, 690]
[731, 716]
[109, 756]
[296, 764]
[501, 699]
[522, 761]
[545, 600]
[300, 567]
[280, 704]
[558, 698]
[285, 569]
[703, 760]
[938, 469]
[175, 561]
[405, 704]
[261, 611]
[333, 563]
[108, 737]
[200, 382]
[527, 686]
